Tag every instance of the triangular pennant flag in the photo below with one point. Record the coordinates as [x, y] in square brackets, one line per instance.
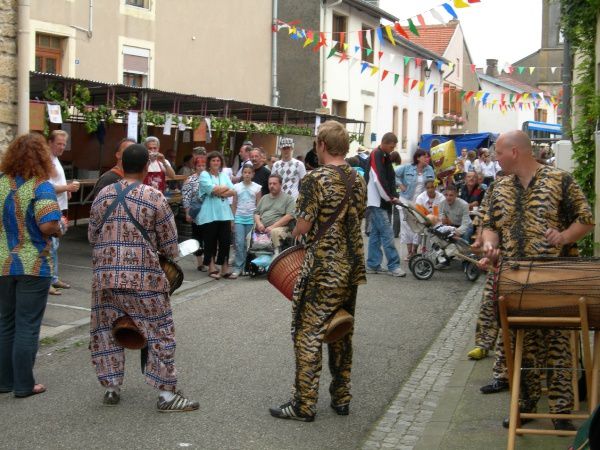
[437, 16]
[406, 81]
[388, 31]
[521, 106]
[374, 70]
[521, 69]
[368, 36]
[502, 98]
[364, 67]
[369, 51]
[541, 94]
[360, 38]
[553, 69]
[413, 84]
[451, 65]
[430, 88]
[448, 8]
[420, 85]
[485, 97]
[429, 62]
[343, 56]
[460, 4]
[525, 95]
[292, 30]
[379, 35]
[462, 94]
[356, 48]
[379, 55]
[396, 76]
[473, 68]
[439, 63]
[345, 46]
[384, 74]
[517, 98]
[418, 62]
[474, 1]
[309, 39]
[478, 95]
[531, 69]
[295, 36]
[412, 28]
[322, 42]
[407, 60]
[421, 20]
[333, 49]
[401, 30]
[510, 98]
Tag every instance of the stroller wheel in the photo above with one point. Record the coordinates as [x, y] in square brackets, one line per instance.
[253, 270]
[472, 272]
[422, 268]
[413, 258]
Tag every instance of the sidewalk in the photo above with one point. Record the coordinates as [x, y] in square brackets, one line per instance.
[441, 407]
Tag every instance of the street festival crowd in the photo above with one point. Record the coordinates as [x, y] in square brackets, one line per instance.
[505, 203]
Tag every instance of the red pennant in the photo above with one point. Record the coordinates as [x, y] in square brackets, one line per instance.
[474, 1]
[384, 74]
[421, 20]
[360, 38]
[322, 42]
[380, 55]
[502, 98]
[401, 31]
[406, 80]
[511, 69]
[413, 84]
[469, 95]
[418, 62]
[343, 56]
[518, 97]
[473, 68]
[446, 90]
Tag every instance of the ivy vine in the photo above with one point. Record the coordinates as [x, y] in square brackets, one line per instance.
[579, 21]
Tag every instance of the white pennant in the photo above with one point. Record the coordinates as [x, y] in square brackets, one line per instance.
[436, 15]
[368, 36]
[429, 61]
[392, 56]
[531, 69]
[553, 69]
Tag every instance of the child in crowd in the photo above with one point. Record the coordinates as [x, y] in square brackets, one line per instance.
[247, 195]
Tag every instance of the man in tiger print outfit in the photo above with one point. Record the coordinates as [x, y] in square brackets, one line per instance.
[333, 267]
[536, 211]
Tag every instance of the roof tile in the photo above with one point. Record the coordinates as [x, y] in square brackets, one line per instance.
[435, 37]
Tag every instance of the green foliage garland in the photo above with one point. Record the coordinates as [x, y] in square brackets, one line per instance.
[579, 21]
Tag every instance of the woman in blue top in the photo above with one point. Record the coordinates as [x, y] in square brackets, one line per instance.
[30, 216]
[411, 179]
[215, 216]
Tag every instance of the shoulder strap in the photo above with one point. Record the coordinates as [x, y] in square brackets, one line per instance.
[349, 181]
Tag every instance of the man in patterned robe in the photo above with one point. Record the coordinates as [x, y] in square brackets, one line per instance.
[333, 267]
[536, 211]
[128, 280]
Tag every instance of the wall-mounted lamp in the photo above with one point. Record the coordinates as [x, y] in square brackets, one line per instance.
[427, 72]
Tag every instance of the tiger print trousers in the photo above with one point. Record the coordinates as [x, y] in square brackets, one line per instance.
[310, 314]
[542, 348]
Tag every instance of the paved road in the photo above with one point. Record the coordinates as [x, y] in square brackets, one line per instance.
[234, 354]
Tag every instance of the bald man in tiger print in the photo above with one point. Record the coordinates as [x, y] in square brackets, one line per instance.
[536, 211]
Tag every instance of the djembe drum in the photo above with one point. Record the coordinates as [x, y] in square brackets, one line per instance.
[547, 292]
[283, 274]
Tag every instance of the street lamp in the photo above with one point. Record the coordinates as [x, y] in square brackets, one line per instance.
[427, 72]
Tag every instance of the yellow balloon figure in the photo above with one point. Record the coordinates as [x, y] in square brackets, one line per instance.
[443, 157]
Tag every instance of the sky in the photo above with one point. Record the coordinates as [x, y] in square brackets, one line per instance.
[506, 30]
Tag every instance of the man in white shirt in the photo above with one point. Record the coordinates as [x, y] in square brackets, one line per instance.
[58, 143]
[242, 158]
[290, 169]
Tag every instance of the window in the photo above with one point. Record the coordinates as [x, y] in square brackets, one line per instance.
[404, 139]
[340, 25]
[452, 100]
[338, 108]
[365, 56]
[395, 120]
[137, 3]
[420, 124]
[540, 115]
[136, 66]
[48, 53]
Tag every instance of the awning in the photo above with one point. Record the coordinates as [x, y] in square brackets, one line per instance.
[552, 128]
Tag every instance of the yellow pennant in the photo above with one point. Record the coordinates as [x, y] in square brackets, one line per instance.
[374, 70]
[461, 4]
[478, 95]
[525, 95]
[388, 31]
[420, 85]
[531, 69]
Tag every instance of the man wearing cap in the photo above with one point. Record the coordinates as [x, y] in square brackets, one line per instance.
[242, 158]
[290, 169]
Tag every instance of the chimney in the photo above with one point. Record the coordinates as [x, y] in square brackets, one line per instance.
[492, 67]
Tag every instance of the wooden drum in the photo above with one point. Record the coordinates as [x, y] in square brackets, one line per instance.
[173, 272]
[283, 274]
[549, 287]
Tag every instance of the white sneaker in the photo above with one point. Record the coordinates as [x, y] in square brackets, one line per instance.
[398, 272]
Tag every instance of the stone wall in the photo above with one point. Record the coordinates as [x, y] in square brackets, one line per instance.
[8, 72]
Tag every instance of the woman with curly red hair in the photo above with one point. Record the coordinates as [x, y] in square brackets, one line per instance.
[29, 217]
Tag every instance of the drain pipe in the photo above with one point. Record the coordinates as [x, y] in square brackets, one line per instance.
[23, 52]
[274, 32]
[89, 30]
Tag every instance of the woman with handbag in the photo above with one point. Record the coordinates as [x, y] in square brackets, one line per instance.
[30, 216]
[333, 199]
[192, 203]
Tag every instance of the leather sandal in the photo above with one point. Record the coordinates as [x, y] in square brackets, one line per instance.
[54, 291]
[61, 285]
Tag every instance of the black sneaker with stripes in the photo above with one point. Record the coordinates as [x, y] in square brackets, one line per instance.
[290, 411]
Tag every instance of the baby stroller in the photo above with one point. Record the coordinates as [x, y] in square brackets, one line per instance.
[261, 252]
[438, 247]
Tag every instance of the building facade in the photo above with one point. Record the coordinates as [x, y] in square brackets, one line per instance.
[8, 72]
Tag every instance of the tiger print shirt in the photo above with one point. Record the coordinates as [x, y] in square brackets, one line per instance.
[521, 216]
[337, 259]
